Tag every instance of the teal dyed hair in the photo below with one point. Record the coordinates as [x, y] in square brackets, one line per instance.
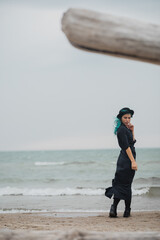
[117, 124]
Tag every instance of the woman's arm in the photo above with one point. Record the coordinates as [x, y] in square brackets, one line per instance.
[133, 136]
[130, 155]
[131, 127]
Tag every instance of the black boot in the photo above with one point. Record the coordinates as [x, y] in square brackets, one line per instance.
[127, 212]
[113, 211]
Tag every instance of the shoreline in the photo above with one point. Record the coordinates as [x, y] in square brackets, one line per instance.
[139, 221]
[77, 213]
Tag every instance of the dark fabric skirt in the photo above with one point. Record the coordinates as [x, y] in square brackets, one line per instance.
[121, 184]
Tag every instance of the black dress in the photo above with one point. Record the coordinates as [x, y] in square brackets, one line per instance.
[121, 184]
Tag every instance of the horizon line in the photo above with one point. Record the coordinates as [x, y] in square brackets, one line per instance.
[81, 149]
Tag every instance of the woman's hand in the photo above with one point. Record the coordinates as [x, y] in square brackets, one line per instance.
[131, 127]
[130, 155]
[134, 165]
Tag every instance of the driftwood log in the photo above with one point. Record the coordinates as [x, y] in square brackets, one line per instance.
[76, 235]
[108, 34]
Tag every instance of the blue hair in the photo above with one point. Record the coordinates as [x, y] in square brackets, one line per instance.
[117, 124]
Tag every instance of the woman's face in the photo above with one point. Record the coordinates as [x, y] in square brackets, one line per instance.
[126, 118]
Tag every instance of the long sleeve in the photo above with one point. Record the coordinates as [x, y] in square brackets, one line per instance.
[122, 139]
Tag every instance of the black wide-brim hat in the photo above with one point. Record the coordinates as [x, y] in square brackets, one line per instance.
[124, 111]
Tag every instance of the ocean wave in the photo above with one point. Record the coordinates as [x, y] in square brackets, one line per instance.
[147, 191]
[63, 163]
[150, 181]
[18, 180]
[60, 212]
[48, 163]
[138, 192]
[154, 192]
[152, 162]
[24, 210]
[13, 191]
[11, 179]
[21, 210]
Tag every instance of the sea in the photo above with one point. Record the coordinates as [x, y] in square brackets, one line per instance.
[73, 181]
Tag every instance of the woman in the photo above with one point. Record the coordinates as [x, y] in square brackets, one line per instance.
[126, 164]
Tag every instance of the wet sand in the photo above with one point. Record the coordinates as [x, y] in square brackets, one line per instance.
[139, 221]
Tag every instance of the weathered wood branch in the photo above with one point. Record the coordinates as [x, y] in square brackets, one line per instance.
[108, 34]
[75, 235]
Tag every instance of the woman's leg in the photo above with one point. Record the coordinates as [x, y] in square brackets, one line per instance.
[113, 209]
[116, 201]
[128, 203]
[127, 208]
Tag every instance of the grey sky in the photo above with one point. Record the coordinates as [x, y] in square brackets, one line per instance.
[54, 96]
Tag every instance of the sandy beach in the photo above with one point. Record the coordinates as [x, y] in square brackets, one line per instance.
[139, 221]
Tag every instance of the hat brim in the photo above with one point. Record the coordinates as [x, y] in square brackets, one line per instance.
[127, 112]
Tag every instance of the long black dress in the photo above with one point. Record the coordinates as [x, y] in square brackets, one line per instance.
[121, 184]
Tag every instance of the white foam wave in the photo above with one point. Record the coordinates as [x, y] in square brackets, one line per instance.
[63, 163]
[48, 163]
[21, 211]
[49, 191]
[15, 210]
[13, 191]
[142, 191]
[62, 211]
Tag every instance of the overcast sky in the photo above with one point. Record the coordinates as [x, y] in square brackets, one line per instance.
[54, 96]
